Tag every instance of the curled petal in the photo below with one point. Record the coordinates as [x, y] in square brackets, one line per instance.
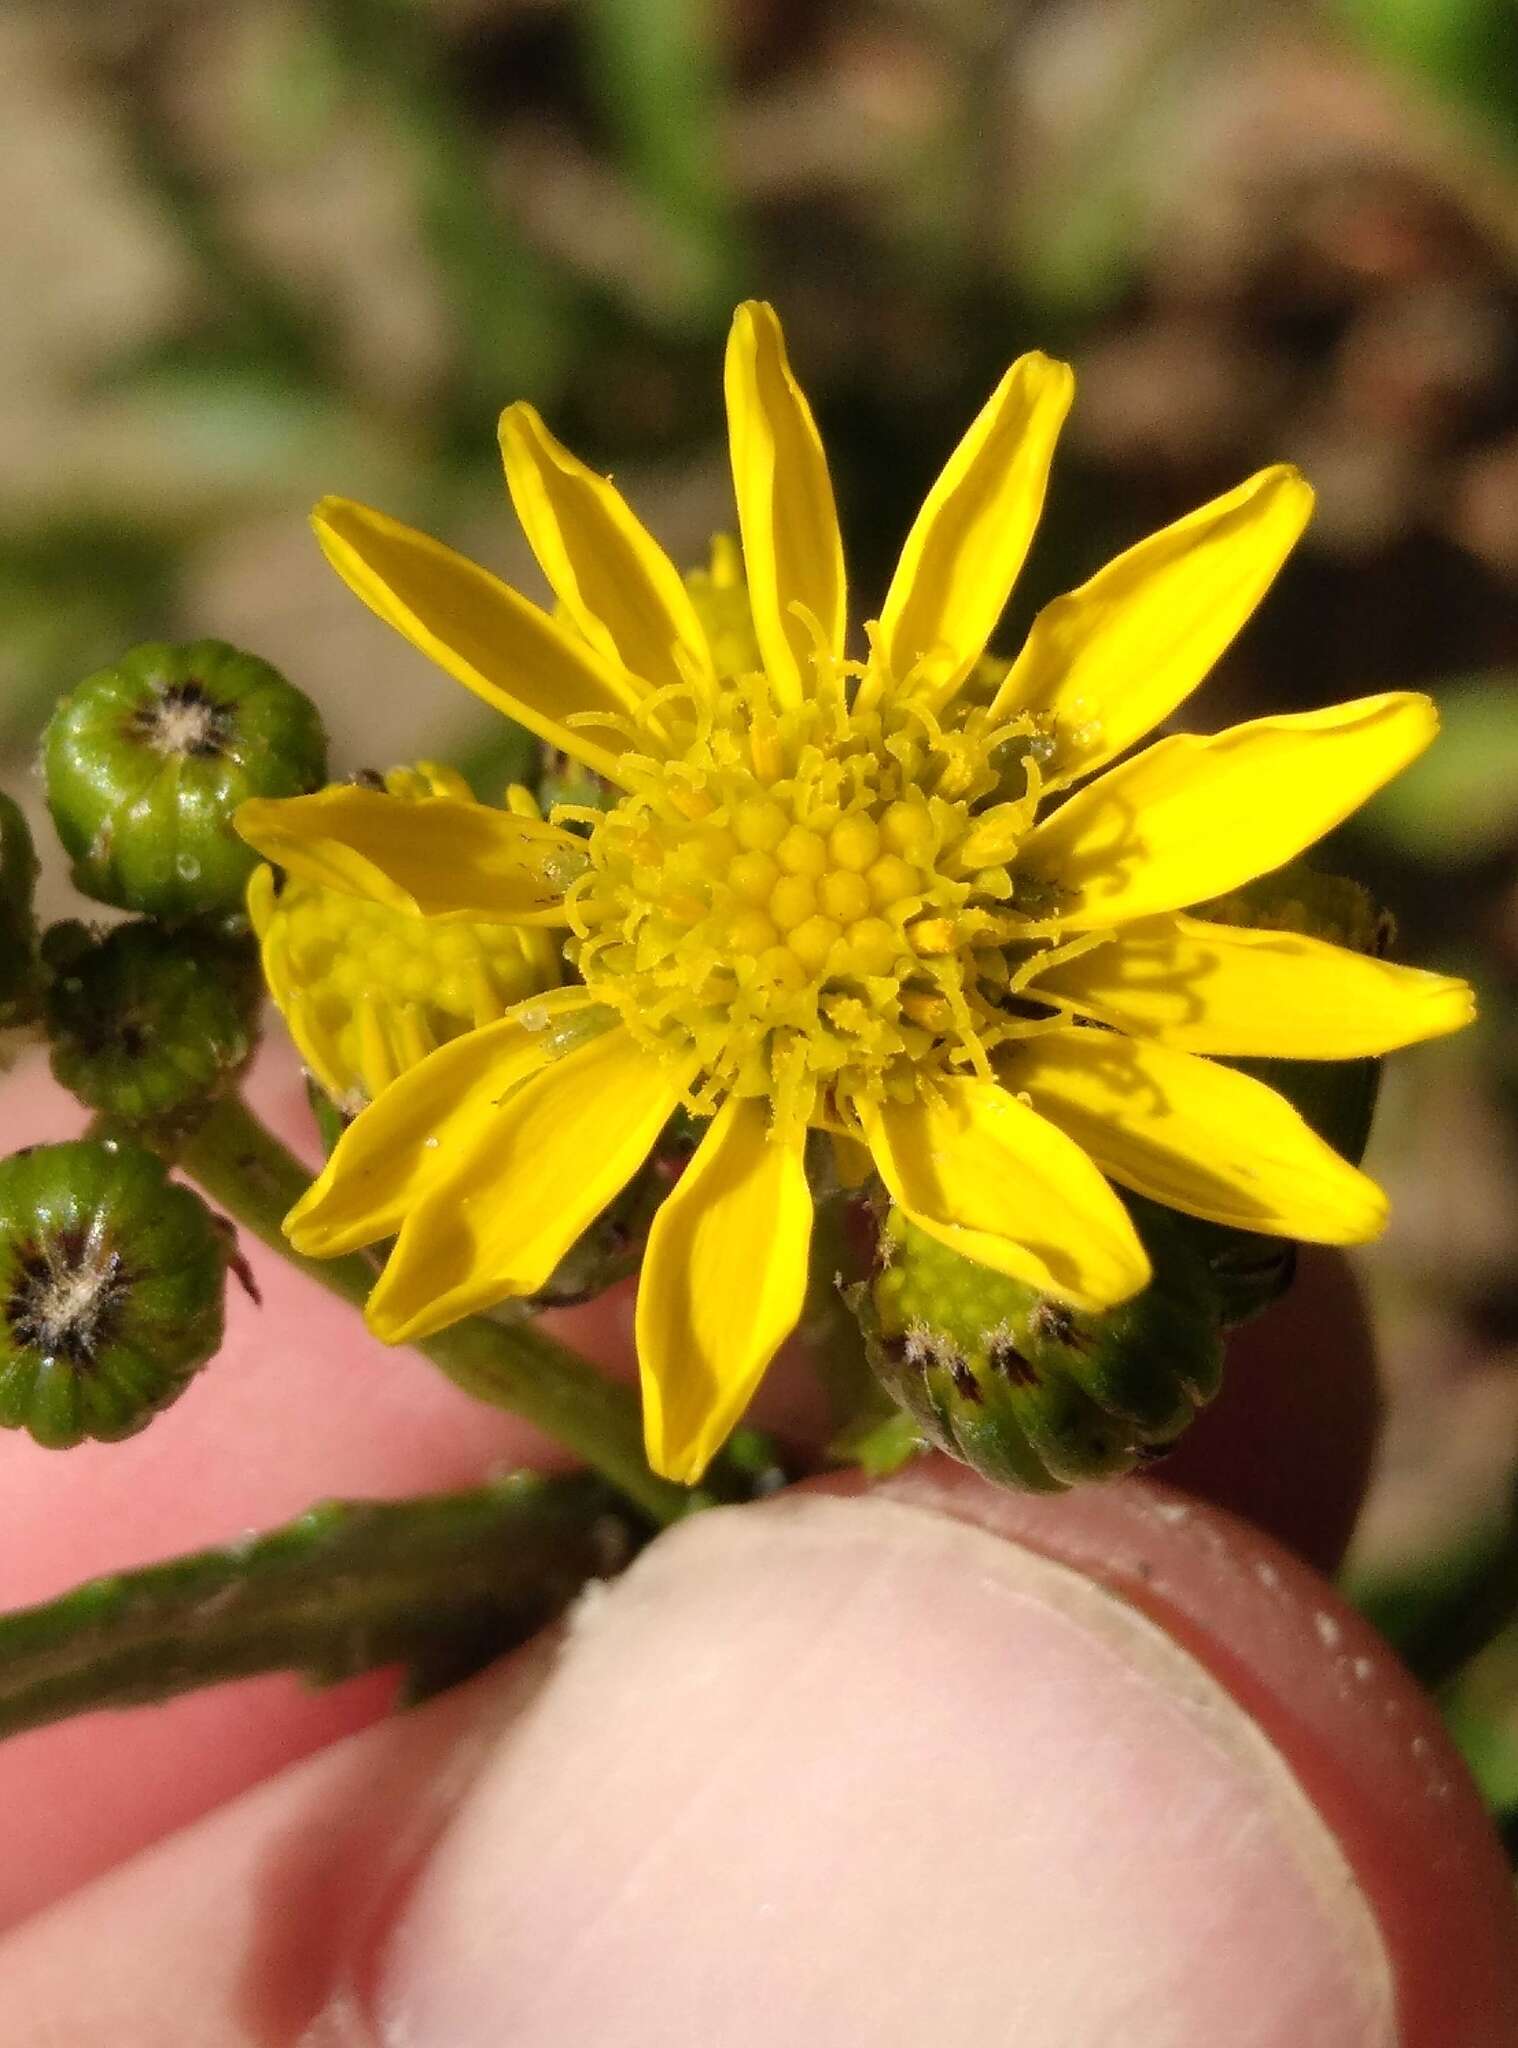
[433, 856]
[537, 1170]
[414, 1134]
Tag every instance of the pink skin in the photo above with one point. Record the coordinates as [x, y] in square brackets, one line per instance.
[257, 1913]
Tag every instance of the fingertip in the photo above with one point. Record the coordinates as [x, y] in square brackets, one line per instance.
[918, 1763]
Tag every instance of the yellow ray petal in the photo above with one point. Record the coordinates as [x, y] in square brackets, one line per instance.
[1194, 1135]
[606, 569]
[412, 1136]
[792, 551]
[1217, 988]
[1194, 817]
[722, 1287]
[973, 532]
[487, 636]
[977, 1169]
[431, 856]
[537, 1173]
[1111, 659]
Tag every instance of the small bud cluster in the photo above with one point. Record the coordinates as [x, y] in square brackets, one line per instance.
[112, 1276]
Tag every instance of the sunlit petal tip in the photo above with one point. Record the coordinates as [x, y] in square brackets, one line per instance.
[259, 820]
[792, 548]
[393, 1328]
[1196, 1136]
[1193, 816]
[610, 575]
[326, 511]
[1106, 662]
[305, 1228]
[1364, 1220]
[969, 541]
[484, 634]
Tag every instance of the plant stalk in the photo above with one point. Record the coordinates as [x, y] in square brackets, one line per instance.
[508, 1364]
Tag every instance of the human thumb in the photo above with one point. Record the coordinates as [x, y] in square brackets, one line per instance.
[913, 1764]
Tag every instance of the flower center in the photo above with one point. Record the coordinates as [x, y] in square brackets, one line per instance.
[817, 901]
[67, 1296]
[185, 720]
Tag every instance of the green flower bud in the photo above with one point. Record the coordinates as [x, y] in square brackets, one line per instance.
[146, 1022]
[147, 761]
[112, 1280]
[18, 929]
[1031, 1392]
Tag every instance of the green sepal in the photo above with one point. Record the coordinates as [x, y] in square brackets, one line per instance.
[146, 762]
[145, 1022]
[325, 1114]
[441, 1585]
[112, 1284]
[18, 925]
[1031, 1392]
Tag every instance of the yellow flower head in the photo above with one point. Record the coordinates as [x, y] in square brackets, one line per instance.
[367, 988]
[854, 890]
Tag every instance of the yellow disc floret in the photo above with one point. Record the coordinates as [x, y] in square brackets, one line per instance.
[790, 898]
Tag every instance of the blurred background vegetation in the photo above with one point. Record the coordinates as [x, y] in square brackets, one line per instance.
[255, 253]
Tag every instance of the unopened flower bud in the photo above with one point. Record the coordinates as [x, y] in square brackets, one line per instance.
[112, 1279]
[146, 762]
[1031, 1392]
[147, 1022]
[367, 990]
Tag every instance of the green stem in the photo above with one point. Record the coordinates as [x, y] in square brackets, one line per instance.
[245, 1169]
[442, 1585]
